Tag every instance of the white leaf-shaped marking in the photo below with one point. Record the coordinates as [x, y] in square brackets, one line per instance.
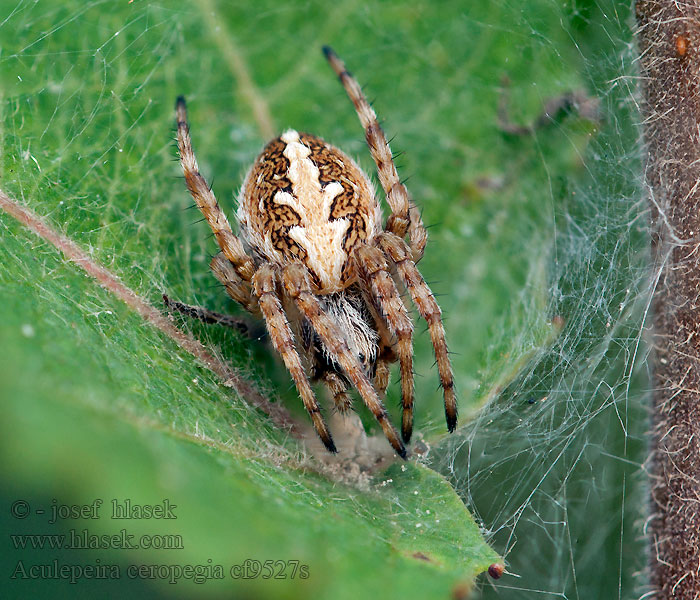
[318, 235]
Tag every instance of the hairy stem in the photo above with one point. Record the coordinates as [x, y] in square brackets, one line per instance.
[149, 313]
[669, 39]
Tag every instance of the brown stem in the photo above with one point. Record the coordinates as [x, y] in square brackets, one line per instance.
[148, 312]
[669, 39]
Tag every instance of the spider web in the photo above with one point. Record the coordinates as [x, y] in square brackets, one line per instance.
[554, 467]
[538, 244]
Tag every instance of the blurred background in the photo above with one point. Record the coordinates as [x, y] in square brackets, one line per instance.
[516, 126]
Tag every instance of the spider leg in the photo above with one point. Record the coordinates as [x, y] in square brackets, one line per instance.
[382, 372]
[297, 286]
[417, 235]
[397, 195]
[373, 268]
[399, 253]
[205, 315]
[339, 391]
[235, 286]
[265, 288]
[204, 198]
[386, 355]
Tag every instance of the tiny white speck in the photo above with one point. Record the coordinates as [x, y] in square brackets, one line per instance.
[18, 77]
[427, 512]
[195, 381]
[415, 492]
[27, 330]
[419, 525]
[403, 468]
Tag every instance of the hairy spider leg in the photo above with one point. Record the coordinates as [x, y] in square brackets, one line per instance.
[398, 252]
[374, 270]
[405, 215]
[204, 198]
[298, 287]
[265, 288]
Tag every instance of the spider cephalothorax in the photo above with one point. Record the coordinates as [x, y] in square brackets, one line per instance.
[312, 252]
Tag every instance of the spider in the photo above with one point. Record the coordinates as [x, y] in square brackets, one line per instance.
[312, 258]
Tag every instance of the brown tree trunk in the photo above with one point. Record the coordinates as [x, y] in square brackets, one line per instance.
[669, 40]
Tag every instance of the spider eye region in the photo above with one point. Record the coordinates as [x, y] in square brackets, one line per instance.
[350, 313]
[305, 200]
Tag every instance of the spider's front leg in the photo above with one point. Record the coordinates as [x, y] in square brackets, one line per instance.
[398, 252]
[298, 287]
[265, 288]
[374, 273]
[386, 355]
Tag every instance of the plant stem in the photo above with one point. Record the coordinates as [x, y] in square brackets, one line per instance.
[669, 40]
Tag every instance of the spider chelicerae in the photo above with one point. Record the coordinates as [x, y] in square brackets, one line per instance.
[313, 259]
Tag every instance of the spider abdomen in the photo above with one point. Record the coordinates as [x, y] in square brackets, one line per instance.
[304, 199]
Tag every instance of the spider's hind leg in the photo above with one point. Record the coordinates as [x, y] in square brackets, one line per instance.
[405, 216]
[237, 288]
[396, 193]
[231, 246]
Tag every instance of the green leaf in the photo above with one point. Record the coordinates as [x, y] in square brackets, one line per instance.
[100, 404]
